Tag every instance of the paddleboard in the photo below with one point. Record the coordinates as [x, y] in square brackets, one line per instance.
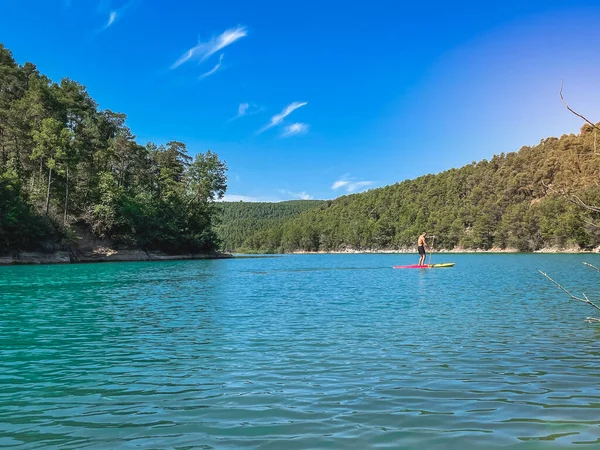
[426, 266]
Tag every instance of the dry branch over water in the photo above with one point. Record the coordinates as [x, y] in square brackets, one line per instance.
[585, 299]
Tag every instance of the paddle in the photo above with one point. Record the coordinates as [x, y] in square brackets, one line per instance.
[431, 252]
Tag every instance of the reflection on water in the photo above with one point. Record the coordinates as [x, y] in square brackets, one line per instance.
[306, 351]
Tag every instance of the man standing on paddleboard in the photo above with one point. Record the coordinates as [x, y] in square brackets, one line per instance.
[421, 244]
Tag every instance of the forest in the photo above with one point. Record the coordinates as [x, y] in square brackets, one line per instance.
[66, 166]
[240, 220]
[525, 201]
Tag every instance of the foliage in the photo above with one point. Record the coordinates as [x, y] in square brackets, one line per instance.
[64, 161]
[515, 200]
[240, 220]
[20, 228]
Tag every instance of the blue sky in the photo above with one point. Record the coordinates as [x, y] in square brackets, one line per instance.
[317, 99]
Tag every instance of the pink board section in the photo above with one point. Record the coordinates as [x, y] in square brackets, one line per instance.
[414, 266]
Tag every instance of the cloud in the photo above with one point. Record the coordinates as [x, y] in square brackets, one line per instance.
[246, 198]
[339, 184]
[113, 14]
[214, 69]
[295, 128]
[205, 49]
[242, 109]
[301, 195]
[350, 186]
[111, 19]
[238, 198]
[278, 118]
[246, 109]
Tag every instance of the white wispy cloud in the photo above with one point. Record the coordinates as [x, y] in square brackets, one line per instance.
[247, 198]
[294, 129]
[111, 19]
[246, 109]
[214, 69]
[340, 183]
[278, 118]
[301, 195]
[350, 186]
[243, 109]
[114, 14]
[205, 49]
[238, 198]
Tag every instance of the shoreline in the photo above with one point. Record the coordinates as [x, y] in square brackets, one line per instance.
[102, 255]
[549, 250]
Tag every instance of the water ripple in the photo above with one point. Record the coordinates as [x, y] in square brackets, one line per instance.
[308, 351]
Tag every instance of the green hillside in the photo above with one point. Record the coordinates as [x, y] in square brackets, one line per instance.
[69, 168]
[240, 220]
[516, 200]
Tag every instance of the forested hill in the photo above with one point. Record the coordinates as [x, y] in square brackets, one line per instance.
[524, 200]
[67, 167]
[240, 220]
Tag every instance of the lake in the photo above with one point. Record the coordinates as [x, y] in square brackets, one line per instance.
[301, 352]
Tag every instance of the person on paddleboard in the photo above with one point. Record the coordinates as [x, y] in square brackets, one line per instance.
[421, 245]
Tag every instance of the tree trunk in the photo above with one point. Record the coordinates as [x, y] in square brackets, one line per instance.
[4, 156]
[66, 198]
[48, 193]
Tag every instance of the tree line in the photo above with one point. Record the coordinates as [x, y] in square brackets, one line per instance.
[240, 220]
[520, 200]
[66, 165]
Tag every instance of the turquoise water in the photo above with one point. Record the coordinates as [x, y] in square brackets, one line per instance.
[300, 352]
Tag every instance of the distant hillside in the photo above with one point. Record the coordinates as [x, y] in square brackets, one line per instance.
[240, 220]
[512, 201]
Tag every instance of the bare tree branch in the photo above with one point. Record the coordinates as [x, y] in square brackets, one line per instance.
[589, 222]
[577, 114]
[580, 202]
[584, 300]
[571, 198]
[593, 267]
